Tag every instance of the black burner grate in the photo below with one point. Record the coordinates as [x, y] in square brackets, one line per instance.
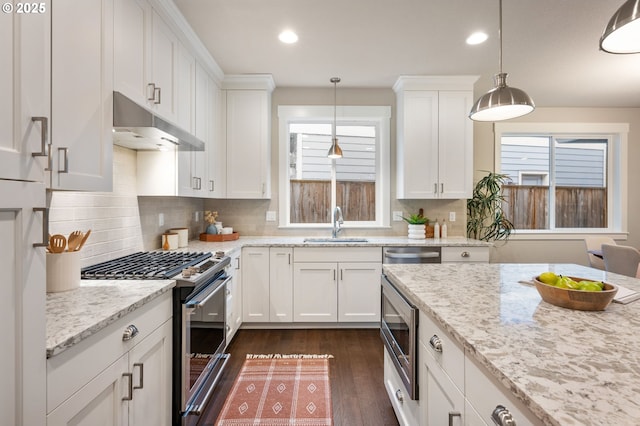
[151, 265]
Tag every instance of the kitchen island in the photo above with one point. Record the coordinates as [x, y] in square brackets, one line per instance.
[567, 367]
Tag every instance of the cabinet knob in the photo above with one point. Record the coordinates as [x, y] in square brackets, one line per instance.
[399, 395]
[465, 254]
[436, 343]
[502, 417]
[129, 333]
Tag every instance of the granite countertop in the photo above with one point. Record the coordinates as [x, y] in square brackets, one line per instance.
[569, 367]
[77, 314]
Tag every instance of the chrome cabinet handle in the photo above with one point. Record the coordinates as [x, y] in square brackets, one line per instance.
[442, 188]
[129, 333]
[211, 186]
[130, 377]
[502, 417]
[45, 226]
[157, 99]
[399, 396]
[453, 414]
[65, 152]
[44, 132]
[435, 188]
[141, 382]
[237, 263]
[151, 94]
[465, 254]
[436, 343]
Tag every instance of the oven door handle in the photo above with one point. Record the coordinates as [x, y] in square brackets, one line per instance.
[203, 297]
[420, 255]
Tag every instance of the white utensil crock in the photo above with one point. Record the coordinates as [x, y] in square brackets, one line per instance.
[63, 271]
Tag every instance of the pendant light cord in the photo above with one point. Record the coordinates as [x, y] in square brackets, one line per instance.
[500, 36]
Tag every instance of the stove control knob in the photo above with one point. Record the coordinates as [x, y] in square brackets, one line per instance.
[129, 333]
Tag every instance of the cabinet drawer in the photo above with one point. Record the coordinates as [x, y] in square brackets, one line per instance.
[465, 254]
[484, 393]
[337, 254]
[407, 410]
[73, 368]
[451, 356]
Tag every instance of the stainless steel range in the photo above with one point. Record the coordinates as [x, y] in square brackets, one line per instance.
[199, 319]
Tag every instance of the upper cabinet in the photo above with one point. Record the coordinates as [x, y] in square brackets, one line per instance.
[435, 137]
[82, 95]
[24, 95]
[248, 135]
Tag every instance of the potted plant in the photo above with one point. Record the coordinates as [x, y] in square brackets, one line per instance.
[210, 218]
[417, 225]
[485, 218]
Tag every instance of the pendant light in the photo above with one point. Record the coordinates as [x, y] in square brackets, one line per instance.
[622, 34]
[334, 151]
[502, 102]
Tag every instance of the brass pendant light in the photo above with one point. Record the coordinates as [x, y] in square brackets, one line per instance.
[622, 34]
[334, 151]
[502, 102]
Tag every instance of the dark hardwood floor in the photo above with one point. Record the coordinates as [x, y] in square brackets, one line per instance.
[356, 371]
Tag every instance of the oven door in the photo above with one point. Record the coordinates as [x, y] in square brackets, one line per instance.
[203, 344]
[398, 327]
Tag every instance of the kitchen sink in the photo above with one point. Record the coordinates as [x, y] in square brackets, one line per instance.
[335, 240]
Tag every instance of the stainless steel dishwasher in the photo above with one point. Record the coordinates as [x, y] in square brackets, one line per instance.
[411, 254]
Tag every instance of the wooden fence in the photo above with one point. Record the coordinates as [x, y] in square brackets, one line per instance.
[527, 207]
[311, 200]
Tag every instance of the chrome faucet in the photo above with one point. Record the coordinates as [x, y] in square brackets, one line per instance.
[337, 221]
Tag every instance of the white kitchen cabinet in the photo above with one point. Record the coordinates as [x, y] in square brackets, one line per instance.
[255, 284]
[164, 62]
[359, 291]
[434, 137]
[315, 292]
[22, 306]
[465, 254]
[407, 410]
[248, 136]
[25, 95]
[217, 147]
[234, 296]
[82, 94]
[281, 284]
[108, 380]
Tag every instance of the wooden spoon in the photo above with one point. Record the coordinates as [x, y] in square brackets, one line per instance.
[84, 240]
[57, 243]
[74, 240]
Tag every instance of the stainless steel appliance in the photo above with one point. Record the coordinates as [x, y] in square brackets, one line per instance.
[411, 254]
[399, 331]
[199, 319]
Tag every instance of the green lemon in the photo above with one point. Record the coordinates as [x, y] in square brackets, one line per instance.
[548, 278]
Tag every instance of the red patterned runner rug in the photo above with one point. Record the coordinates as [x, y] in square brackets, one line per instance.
[277, 390]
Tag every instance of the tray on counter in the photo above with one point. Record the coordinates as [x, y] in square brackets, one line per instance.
[219, 237]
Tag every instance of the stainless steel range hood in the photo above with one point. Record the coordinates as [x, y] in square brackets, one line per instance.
[138, 128]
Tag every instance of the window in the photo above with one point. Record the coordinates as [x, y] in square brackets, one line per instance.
[563, 178]
[312, 185]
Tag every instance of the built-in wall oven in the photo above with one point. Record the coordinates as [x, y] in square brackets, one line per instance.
[398, 328]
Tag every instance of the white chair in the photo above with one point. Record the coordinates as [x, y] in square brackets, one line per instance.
[595, 243]
[622, 260]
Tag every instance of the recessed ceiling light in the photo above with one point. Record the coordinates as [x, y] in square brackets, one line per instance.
[288, 36]
[477, 38]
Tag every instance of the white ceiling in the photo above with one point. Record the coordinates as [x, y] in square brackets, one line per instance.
[550, 46]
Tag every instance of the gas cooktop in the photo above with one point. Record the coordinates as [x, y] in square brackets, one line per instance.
[152, 265]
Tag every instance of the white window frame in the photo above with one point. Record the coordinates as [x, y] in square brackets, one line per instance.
[617, 178]
[379, 115]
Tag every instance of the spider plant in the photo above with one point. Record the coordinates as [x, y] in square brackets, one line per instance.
[485, 218]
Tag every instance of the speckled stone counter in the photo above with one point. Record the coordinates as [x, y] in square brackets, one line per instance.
[569, 367]
[77, 314]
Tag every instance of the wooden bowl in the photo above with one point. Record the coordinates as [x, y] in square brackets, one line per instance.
[576, 299]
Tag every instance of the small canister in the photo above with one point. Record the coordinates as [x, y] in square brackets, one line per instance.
[170, 241]
[183, 236]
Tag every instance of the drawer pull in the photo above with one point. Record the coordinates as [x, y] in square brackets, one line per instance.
[399, 396]
[141, 383]
[465, 254]
[129, 333]
[436, 343]
[502, 417]
[453, 414]
[130, 377]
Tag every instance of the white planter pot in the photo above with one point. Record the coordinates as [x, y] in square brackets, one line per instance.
[417, 232]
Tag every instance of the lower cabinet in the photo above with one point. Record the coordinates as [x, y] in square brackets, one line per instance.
[234, 297]
[255, 284]
[407, 410]
[107, 380]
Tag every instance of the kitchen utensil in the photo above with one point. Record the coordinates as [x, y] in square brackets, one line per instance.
[74, 240]
[57, 243]
[84, 240]
[576, 299]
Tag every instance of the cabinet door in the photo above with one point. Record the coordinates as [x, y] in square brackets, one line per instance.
[418, 145]
[441, 401]
[255, 284]
[99, 402]
[150, 364]
[22, 306]
[234, 299]
[455, 150]
[248, 159]
[359, 292]
[315, 292]
[164, 63]
[217, 147]
[82, 94]
[281, 284]
[132, 26]
[24, 94]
